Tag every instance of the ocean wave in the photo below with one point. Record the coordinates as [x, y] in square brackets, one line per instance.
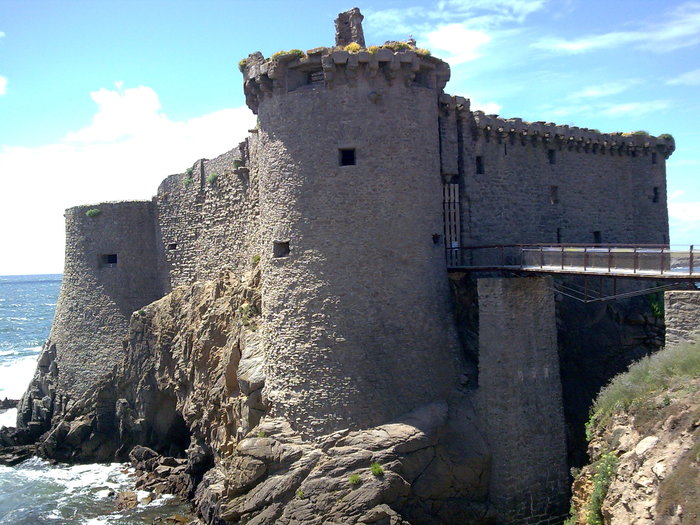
[8, 418]
[8, 352]
[16, 375]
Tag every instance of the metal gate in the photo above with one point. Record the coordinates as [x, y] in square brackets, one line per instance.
[450, 209]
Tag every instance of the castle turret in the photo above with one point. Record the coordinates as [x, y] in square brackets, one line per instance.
[358, 326]
[109, 272]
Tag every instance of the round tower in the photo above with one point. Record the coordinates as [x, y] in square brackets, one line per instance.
[358, 324]
[109, 272]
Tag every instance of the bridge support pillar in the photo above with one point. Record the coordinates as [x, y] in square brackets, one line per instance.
[521, 399]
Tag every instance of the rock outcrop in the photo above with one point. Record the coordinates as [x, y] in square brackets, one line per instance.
[645, 457]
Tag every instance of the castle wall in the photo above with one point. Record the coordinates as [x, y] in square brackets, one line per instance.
[207, 219]
[520, 398]
[536, 183]
[682, 316]
[109, 272]
[357, 324]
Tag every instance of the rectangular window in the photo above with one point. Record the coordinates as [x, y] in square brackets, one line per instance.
[480, 165]
[653, 158]
[346, 156]
[280, 249]
[554, 194]
[558, 235]
[172, 246]
[551, 155]
[597, 237]
[108, 259]
[655, 198]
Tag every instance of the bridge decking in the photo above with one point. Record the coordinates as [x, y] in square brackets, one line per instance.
[659, 262]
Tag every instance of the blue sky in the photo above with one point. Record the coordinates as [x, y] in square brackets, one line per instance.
[100, 100]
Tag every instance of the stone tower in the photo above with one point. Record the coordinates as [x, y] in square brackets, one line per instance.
[358, 322]
[110, 271]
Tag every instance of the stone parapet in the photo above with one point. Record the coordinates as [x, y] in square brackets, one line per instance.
[571, 137]
[328, 67]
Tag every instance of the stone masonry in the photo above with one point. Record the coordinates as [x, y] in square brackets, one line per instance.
[682, 314]
[521, 400]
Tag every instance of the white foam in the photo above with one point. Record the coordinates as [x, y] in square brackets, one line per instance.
[15, 376]
[8, 418]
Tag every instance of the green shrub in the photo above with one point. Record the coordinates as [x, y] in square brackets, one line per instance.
[93, 212]
[422, 51]
[397, 46]
[242, 63]
[237, 163]
[376, 469]
[353, 47]
[141, 312]
[605, 469]
[354, 480]
[656, 303]
[298, 52]
[649, 375]
[211, 178]
[188, 172]
[187, 181]
[373, 49]
[255, 260]
[300, 494]
[261, 434]
[666, 136]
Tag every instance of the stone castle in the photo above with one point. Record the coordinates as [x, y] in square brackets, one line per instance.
[340, 199]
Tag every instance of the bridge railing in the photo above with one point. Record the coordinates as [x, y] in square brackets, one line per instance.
[656, 259]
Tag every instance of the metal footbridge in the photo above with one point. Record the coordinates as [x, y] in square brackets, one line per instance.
[663, 266]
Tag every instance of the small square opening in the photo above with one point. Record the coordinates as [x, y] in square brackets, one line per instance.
[280, 249]
[172, 246]
[108, 259]
[597, 237]
[480, 165]
[346, 156]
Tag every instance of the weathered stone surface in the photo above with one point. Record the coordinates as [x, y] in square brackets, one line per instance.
[682, 312]
[126, 500]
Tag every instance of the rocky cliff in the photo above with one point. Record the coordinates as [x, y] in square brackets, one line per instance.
[185, 406]
[645, 446]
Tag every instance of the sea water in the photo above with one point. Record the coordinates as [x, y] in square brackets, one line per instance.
[35, 491]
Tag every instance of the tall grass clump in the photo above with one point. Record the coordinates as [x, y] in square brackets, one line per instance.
[658, 372]
[605, 469]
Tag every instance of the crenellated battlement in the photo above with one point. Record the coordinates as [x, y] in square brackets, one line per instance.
[327, 68]
[585, 140]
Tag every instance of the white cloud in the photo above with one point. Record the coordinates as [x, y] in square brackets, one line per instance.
[690, 78]
[450, 19]
[490, 108]
[679, 28]
[636, 108]
[129, 147]
[684, 221]
[3, 85]
[457, 42]
[603, 90]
